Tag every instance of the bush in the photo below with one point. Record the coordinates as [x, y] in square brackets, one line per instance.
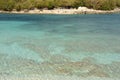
[65, 3]
[28, 4]
[39, 4]
[78, 3]
[108, 5]
[50, 4]
[101, 4]
[9, 5]
[118, 3]
[18, 7]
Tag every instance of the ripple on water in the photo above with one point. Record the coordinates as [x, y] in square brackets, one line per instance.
[62, 45]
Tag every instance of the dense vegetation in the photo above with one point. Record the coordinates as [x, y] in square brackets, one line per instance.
[9, 5]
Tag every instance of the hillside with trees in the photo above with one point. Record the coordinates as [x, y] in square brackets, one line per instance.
[9, 5]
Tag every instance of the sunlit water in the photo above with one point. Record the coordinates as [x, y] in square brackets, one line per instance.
[68, 45]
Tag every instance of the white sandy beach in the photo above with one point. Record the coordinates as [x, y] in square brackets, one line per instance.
[80, 10]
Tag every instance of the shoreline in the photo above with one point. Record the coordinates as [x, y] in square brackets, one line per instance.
[53, 77]
[80, 10]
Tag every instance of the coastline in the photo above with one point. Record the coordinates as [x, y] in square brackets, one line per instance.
[80, 10]
[52, 77]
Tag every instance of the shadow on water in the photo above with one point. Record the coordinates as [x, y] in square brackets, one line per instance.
[72, 24]
[67, 24]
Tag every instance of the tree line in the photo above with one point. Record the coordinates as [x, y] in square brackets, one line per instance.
[9, 5]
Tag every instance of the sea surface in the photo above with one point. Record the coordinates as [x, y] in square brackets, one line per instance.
[60, 45]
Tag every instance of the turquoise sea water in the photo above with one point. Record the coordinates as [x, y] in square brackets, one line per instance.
[81, 45]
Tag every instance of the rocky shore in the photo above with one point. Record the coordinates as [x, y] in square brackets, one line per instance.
[80, 10]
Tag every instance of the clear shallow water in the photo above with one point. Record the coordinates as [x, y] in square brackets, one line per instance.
[80, 45]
